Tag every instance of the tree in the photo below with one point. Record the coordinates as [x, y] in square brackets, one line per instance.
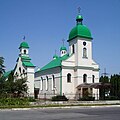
[2, 67]
[12, 87]
[103, 79]
[115, 88]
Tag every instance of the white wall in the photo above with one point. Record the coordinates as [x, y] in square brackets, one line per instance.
[50, 91]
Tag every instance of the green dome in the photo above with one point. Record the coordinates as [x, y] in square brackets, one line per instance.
[79, 17]
[80, 30]
[24, 45]
[63, 48]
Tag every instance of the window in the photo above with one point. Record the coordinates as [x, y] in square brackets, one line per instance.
[68, 77]
[23, 71]
[84, 53]
[41, 84]
[93, 78]
[84, 78]
[53, 82]
[24, 51]
[47, 82]
[84, 43]
[20, 69]
[73, 48]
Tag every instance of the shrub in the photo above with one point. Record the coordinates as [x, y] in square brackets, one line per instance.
[59, 98]
[31, 99]
[13, 101]
[87, 98]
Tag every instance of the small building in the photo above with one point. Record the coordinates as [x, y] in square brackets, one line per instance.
[68, 73]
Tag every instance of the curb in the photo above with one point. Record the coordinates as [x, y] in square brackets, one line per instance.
[65, 107]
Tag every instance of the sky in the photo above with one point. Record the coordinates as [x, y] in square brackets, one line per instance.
[46, 22]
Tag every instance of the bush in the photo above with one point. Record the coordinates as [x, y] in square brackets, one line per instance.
[59, 98]
[111, 98]
[87, 98]
[31, 99]
[13, 101]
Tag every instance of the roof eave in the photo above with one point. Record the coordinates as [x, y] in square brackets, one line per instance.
[79, 37]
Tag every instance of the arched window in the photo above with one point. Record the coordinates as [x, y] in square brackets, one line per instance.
[41, 84]
[23, 71]
[84, 53]
[84, 78]
[47, 83]
[53, 81]
[24, 51]
[68, 77]
[93, 78]
[73, 48]
[20, 69]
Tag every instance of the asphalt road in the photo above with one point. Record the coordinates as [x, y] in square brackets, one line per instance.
[100, 113]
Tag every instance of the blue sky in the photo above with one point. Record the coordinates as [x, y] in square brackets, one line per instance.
[46, 22]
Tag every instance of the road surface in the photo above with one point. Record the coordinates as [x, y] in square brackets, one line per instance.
[88, 113]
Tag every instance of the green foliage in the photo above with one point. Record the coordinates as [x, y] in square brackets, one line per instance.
[13, 101]
[103, 79]
[12, 87]
[59, 98]
[115, 88]
[31, 99]
[87, 98]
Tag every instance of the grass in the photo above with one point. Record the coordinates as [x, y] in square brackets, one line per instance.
[52, 105]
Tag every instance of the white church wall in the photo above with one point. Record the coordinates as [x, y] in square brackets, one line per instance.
[68, 87]
[47, 86]
[72, 42]
[81, 60]
[19, 66]
[30, 83]
[70, 61]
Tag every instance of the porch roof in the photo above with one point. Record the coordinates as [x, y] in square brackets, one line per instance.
[94, 85]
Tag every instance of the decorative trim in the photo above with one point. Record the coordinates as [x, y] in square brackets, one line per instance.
[86, 38]
[61, 81]
[80, 67]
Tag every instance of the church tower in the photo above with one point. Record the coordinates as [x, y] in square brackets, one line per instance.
[80, 43]
[24, 68]
[24, 49]
[80, 47]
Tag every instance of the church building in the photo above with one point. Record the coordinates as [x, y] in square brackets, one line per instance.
[73, 73]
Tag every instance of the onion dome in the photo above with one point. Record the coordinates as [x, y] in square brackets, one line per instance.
[63, 48]
[24, 45]
[80, 30]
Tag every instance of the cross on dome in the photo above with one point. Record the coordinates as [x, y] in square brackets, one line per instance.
[79, 10]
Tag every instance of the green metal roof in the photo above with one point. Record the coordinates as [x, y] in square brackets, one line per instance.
[26, 61]
[55, 56]
[63, 48]
[28, 64]
[24, 45]
[80, 30]
[54, 63]
[25, 58]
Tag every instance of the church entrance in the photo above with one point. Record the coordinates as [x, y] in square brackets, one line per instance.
[84, 92]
